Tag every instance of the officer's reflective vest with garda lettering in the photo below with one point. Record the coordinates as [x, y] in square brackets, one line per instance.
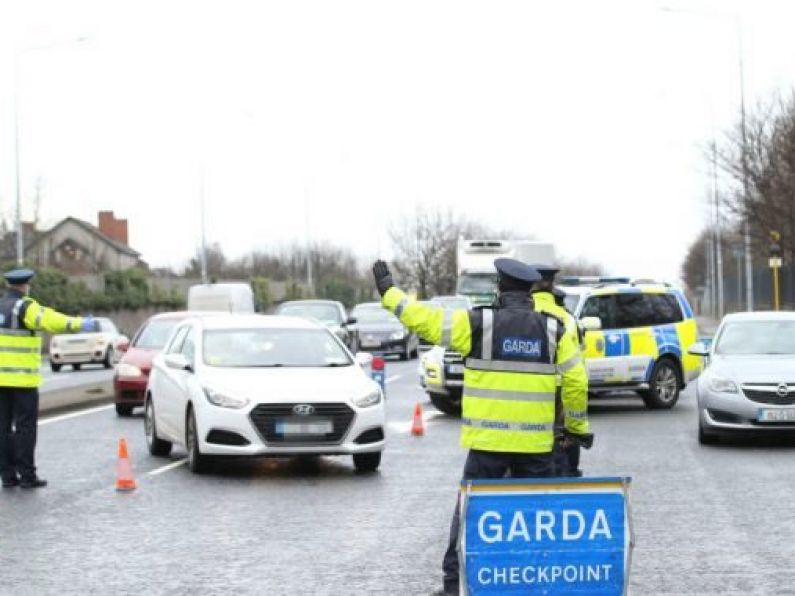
[513, 355]
[21, 318]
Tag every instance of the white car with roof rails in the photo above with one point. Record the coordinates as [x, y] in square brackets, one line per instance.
[258, 385]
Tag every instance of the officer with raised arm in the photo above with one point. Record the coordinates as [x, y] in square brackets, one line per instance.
[513, 355]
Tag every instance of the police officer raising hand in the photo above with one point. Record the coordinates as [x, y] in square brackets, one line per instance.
[513, 358]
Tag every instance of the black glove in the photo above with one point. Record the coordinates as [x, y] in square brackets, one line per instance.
[383, 278]
[584, 440]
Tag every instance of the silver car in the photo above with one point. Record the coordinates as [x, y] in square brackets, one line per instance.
[749, 381]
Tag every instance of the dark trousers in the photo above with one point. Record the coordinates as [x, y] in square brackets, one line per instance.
[483, 465]
[19, 419]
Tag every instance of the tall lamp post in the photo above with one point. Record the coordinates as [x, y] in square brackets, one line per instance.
[17, 79]
[749, 272]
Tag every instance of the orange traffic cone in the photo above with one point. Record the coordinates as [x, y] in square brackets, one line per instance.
[417, 424]
[124, 473]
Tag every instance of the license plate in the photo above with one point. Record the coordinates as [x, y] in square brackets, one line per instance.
[304, 428]
[777, 415]
[369, 342]
[455, 369]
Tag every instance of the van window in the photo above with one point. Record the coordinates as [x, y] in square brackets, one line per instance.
[646, 310]
[603, 307]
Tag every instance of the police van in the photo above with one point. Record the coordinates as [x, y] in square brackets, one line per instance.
[636, 336]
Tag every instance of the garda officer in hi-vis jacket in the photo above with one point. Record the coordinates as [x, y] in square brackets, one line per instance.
[513, 358]
[21, 318]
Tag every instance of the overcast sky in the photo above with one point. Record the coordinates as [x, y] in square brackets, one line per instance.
[579, 122]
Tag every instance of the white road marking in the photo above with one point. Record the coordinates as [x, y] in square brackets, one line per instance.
[394, 378]
[167, 467]
[75, 414]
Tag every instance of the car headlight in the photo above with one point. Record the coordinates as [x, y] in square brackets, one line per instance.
[368, 399]
[721, 385]
[223, 400]
[398, 335]
[128, 370]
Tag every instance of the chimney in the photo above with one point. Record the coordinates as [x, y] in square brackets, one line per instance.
[115, 229]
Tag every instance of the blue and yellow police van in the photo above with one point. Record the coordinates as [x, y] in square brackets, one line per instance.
[635, 336]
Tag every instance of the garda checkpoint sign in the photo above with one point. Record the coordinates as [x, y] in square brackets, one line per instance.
[545, 536]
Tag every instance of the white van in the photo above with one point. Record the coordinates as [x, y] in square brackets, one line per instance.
[228, 297]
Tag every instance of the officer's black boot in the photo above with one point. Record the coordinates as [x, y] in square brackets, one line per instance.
[10, 482]
[34, 482]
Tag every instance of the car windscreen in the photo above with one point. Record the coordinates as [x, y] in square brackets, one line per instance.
[325, 313]
[570, 302]
[155, 335]
[260, 347]
[477, 284]
[375, 315]
[757, 337]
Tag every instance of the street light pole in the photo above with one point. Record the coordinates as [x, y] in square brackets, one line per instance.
[17, 81]
[718, 248]
[749, 271]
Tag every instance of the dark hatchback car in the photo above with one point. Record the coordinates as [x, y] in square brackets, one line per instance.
[380, 331]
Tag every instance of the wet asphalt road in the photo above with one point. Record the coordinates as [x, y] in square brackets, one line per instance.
[708, 520]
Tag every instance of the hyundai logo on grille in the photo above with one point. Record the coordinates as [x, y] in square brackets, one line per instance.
[304, 409]
[782, 390]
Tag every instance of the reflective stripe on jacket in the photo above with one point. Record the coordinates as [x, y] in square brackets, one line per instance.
[512, 358]
[20, 345]
[573, 377]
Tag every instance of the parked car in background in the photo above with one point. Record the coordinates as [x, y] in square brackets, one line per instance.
[132, 371]
[328, 312]
[222, 297]
[99, 347]
[381, 331]
[262, 385]
[748, 386]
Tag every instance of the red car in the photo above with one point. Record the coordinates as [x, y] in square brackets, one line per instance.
[132, 372]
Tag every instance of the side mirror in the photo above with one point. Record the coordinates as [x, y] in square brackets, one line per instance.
[363, 359]
[591, 323]
[351, 321]
[698, 349]
[178, 362]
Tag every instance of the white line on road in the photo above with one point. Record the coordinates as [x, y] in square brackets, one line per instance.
[167, 467]
[75, 414]
[394, 378]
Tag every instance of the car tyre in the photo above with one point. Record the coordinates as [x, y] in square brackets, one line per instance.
[705, 437]
[55, 367]
[108, 361]
[367, 463]
[448, 404]
[76, 366]
[198, 463]
[122, 410]
[157, 447]
[664, 384]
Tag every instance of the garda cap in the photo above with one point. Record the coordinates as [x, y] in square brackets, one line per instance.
[547, 272]
[516, 271]
[17, 277]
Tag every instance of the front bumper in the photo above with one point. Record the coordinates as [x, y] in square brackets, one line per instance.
[392, 346]
[364, 433]
[723, 412]
[59, 357]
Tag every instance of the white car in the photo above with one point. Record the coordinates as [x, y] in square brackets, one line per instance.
[249, 385]
[99, 347]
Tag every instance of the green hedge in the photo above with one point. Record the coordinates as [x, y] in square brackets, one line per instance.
[123, 290]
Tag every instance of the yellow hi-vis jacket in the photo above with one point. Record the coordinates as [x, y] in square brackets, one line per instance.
[20, 344]
[508, 402]
[545, 302]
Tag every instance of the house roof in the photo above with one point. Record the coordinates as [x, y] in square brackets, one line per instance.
[92, 229]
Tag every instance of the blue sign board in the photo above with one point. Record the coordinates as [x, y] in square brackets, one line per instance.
[545, 536]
